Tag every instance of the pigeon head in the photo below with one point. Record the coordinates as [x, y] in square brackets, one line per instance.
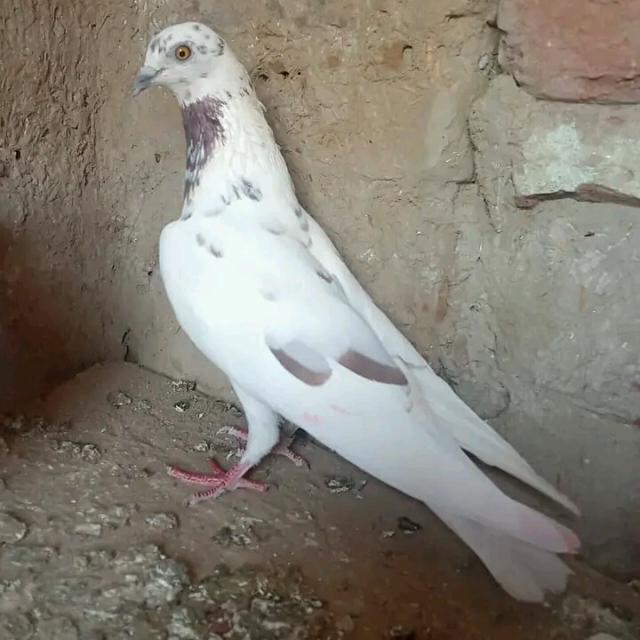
[191, 60]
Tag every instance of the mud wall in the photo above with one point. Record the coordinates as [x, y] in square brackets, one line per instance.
[56, 315]
[497, 222]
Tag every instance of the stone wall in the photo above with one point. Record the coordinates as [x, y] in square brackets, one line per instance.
[560, 265]
[499, 230]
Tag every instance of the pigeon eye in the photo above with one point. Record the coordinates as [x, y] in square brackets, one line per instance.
[183, 52]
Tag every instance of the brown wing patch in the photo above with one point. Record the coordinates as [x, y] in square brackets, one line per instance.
[295, 368]
[372, 370]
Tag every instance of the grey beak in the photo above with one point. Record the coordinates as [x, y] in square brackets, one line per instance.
[144, 79]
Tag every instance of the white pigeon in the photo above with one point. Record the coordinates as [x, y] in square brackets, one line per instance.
[263, 293]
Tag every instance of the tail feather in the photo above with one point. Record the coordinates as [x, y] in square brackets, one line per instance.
[524, 571]
[478, 438]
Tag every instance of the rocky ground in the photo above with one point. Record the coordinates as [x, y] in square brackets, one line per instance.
[96, 542]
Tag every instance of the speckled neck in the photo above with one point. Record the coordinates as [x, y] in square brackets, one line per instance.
[204, 131]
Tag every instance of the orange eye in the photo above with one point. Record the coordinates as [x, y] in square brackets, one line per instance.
[183, 52]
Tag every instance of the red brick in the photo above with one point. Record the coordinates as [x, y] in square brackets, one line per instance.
[574, 50]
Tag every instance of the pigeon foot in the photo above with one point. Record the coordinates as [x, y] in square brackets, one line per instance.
[219, 481]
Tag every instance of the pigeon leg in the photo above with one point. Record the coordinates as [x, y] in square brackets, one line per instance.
[261, 438]
[281, 449]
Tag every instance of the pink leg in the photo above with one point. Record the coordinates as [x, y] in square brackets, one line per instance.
[218, 482]
[280, 449]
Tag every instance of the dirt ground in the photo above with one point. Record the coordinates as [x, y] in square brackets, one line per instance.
[96, 542]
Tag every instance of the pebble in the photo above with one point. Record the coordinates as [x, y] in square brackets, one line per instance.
[227, 537]
[183, 385]
[181, 406]
[89, 529]
[339, 484]
[398, 632]
[388, 534]
[408, 526]
[90, 453]
[11, 529]
[162, 521]
[118, 398]
[345, 623]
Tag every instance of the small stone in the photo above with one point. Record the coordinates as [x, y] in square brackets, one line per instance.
[11, 529]
[398, 632]
[483, 62]
[90, 453]
[162, 521]
[143, 405]
[201, 446]
[408, 526]
[345, 623]
[183, 385]
[89, 529]
[339, 484]
[228, 407]
[227, 537]
[118, 398]
[388, 534]
[181, 406]
[181, 626]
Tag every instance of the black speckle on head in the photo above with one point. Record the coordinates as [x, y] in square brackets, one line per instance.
[186, 215]
[212, 213]
[202, 49]
[196, 27]
[298, 212]
[154, 45]
[216, 253]
[269, 295]
[169, 38]
[236, 192]
[200, 240]
[225, 200]
[250, 190]
[162, 49]
[229, 96]
[207, 36]
[204, 132]
[220, 47]
[275, 232]
[204, 75]
[304, 224]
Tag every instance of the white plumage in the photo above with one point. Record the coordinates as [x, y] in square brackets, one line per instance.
[263, 293]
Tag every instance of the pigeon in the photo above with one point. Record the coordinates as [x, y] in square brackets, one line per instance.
[263, 293]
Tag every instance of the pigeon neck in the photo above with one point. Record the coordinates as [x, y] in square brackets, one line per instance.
[229, 146]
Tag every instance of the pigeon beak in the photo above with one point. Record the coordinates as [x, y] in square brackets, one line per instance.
[144, 79]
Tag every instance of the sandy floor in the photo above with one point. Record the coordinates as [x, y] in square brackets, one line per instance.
[95, 540]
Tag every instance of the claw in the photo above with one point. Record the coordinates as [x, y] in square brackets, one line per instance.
[219, 481]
